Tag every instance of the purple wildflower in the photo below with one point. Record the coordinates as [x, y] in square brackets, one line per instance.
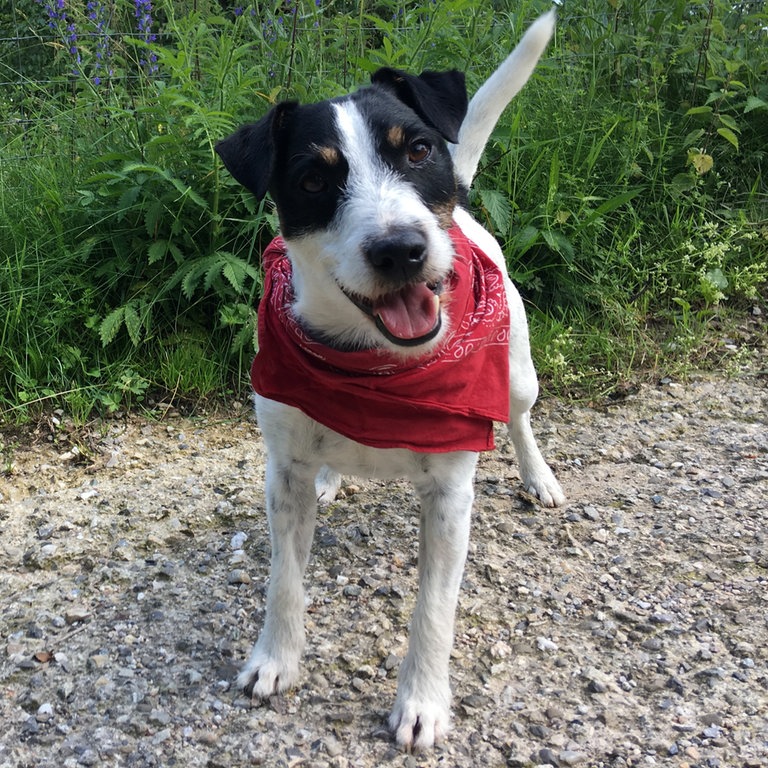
[143, 15]
[97, 14]
[268, 31]
[57, 20]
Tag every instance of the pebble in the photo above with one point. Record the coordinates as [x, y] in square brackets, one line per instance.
[44, 713]
[545, 644]
[76, 613]
[651, 650]
[238, 576]
[569, 757]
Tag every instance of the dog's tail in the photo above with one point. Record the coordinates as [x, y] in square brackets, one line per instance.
[489, 102]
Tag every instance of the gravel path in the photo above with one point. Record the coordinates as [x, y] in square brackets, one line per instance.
[629, 628]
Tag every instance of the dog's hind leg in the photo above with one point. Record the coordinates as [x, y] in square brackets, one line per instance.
[421, 715]
[327, 484]
[535, 473]
[291, 509]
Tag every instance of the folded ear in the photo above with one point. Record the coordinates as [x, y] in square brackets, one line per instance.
[249, 153]
[438, 98]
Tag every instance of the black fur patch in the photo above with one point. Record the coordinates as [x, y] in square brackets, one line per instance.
[295, 152]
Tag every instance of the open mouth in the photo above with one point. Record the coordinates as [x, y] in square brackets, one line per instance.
[407, 317]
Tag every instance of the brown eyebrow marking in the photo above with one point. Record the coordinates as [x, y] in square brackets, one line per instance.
[396, 136]
[329, 154]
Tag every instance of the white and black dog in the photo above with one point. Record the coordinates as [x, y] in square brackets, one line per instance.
[390, 340]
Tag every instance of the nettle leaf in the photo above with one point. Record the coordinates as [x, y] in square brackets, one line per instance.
[237, 270]
[696, 111]
[559, 243]
[132, 323]
[157, 251]
[729, 136]
[110, 325]
[127, 201]
[498, 208]
[526, 238]
[235, 275]
[153, 217]
[729, 122]
[753, 102]
[192, 276]
[176, 252]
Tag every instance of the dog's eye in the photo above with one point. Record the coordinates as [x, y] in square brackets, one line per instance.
[313, 183]
[418, 151]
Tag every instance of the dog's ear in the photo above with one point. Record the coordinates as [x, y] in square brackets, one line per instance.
[249, 153]
[438, 98]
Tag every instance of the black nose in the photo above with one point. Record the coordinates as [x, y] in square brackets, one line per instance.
[398, 256]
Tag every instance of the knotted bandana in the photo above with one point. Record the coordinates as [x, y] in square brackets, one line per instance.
[445, 401]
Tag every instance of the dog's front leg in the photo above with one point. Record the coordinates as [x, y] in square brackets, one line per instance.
[291, 509]
[421, 715]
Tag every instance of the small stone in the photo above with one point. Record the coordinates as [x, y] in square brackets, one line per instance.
[159, 717]
[77, 613]
[366, 672]
[476, 701]
[238, 540]
[238, 576]
[333, 747]
[591, 513]
[545, 644]
[571, 757]
[548, 757]
[88, 757]
[161, 736]
[743, 649]
[44, 713]
[98, 661]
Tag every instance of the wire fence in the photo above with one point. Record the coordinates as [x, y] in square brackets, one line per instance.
[55, 47]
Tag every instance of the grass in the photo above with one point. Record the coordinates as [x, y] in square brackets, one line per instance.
[626, 184]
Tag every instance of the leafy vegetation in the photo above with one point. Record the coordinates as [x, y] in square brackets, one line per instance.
[627, 181]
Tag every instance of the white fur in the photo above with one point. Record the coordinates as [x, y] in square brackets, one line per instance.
[305, 459]
[494, 95]
[378, 202]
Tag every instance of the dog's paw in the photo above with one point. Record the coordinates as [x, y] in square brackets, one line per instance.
[418, 724]
[264, 676]
[327, 484]
[544, 486]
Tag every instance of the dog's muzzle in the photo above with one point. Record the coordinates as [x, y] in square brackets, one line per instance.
[407, 317]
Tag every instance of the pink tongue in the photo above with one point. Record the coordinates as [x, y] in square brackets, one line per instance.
[409, 313]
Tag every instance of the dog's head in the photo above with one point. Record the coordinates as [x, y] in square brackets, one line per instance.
[365, 190]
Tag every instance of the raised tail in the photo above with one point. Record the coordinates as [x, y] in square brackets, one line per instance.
[499, 89]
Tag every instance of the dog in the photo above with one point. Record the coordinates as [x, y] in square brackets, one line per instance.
[390, 340]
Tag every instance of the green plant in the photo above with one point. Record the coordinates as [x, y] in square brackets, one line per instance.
[626, 182]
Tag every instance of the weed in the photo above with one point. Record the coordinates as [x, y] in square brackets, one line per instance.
[626, 182]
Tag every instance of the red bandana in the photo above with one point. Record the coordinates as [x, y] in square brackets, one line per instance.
[374, 397]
